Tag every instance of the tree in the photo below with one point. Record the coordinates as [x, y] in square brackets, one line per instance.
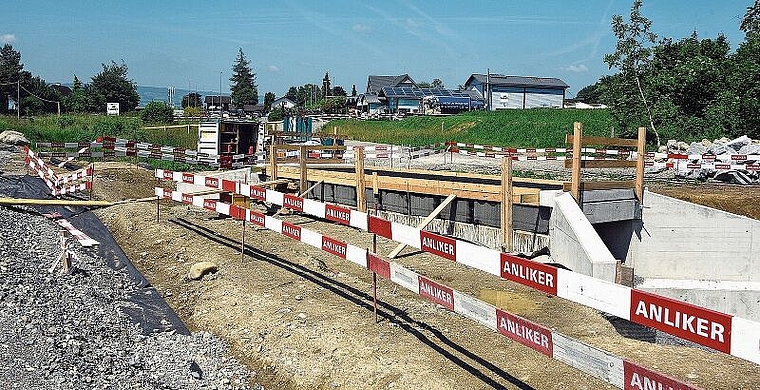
[751, 21]
[437, 83]
[338, 91]
[10, 71]
[326, 86]
[292, 94]
[632, 51]
[193, 112]
[590, 94]
[157, 112]
[111, 85]
[269, 98]
[423, 84]
[192, 99]
[243, 89]
[353, 90]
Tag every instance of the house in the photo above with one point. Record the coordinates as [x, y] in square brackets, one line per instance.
[213, 102]
[371, 100]
[505, 92]
[284, 103]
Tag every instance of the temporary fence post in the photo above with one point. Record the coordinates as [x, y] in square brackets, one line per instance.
[374, 274]
[158, 208]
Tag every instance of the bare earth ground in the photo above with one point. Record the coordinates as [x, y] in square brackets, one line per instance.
[302, 319]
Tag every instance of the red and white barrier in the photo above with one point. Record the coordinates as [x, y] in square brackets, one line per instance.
[723, 332]
[604, 365]
[54, 182]
[76, 175]
[82, 238]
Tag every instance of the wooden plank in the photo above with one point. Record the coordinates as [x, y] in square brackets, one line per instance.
[602, 163]
[506, 204]
[518, 180]
[641, 148]
[486, 192]
[310, 147]
[361, 201]
[312, 161]
[302, 183]
[424, 223]
[603, 185]
[272, 162]
[576, 174]
[585, 141]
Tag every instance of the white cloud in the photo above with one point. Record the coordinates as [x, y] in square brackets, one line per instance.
[577, 68]
[411, 23]
[8, 38]
[358, 27]
[273, 68]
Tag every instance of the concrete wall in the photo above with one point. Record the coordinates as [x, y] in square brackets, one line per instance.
[524, 242]
[738, 298]
[574, 243]
[682, 240]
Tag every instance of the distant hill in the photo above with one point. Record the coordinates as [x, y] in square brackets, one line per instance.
[161, 94]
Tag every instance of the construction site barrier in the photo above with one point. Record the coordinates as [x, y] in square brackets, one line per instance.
[82, 238]
[723, 332]
[615, 370]
[57, 184]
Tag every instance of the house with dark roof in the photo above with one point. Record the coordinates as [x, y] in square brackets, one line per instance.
[517, 92]
[372, 101]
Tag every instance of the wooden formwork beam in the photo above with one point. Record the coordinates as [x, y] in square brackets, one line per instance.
[641, 148]
[576, 175]
[361, 186]
[506, 203]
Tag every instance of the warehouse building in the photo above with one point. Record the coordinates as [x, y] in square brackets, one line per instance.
[517, 92]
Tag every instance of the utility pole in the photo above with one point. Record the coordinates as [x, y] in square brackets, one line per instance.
[18, 97]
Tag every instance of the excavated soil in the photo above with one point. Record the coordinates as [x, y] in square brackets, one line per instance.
[303, 319]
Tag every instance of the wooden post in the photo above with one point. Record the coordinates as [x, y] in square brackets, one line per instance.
[361, 201]
[375, 184]
[506, 203]
[272, 162]
[575, 183]
[92, 180]
[302, 184]
[640, 164]
[242, 242]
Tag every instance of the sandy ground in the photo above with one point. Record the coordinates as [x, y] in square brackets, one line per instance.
[303, 319]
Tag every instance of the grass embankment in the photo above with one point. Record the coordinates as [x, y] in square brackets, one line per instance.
[86, 128]
[515, 128]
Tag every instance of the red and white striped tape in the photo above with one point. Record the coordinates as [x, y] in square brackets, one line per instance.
[53, 182]
[723, 332]
[613, 369]
[82, 238]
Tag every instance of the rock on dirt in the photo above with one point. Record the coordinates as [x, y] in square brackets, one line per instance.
[198, 270]
[11, 137]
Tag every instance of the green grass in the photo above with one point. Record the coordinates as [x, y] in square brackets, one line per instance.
[515, 128]
[86, 128]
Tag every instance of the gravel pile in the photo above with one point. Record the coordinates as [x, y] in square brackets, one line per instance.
[69, 331]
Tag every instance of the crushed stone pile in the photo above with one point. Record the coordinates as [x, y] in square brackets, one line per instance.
[69, 331]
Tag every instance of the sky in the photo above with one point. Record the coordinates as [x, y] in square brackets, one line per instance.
[193, 44]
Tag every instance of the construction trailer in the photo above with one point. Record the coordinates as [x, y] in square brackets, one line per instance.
[228, 137]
